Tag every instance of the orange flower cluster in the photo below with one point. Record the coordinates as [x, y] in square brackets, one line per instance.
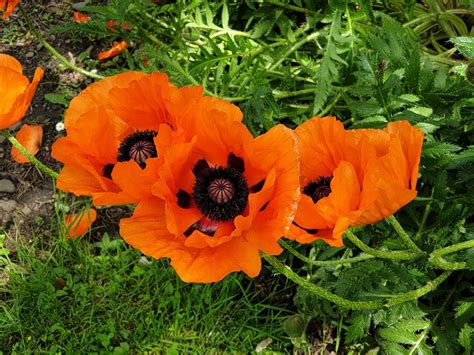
[211, 197]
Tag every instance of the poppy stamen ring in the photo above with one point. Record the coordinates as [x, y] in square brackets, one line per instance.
[138, 146]
[220, 193]
[318, 188]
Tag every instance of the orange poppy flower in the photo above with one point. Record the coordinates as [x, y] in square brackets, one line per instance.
[116, 49]
[115, 120]
[113, 25]
[351, 178]
[8, 6]
[79, 17]
[17, 91]
[30, 137]
[79, 224]
[222, 197]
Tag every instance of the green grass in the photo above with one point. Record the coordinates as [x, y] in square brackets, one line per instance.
[99, 297]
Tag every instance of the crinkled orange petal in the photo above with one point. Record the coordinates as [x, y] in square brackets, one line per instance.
[79, 17]
[97, 95]
[205, 112]
[30, 137]
[333, 209]
[112, 25]
[79, 224]
[385, 188]
[178, 101]
[411, 139]
[9, 62]
[95, 134]
[277, 149]
[17, 91]
[13, 85]
[10, 6]
[141, 105]
[217, 137]
[321, 142]
[78, 181]
[213, 264]
[134, 182]
[117, 48]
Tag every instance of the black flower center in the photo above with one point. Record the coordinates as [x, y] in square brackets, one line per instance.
[138, 146]
[220, 193]
[107, 170]
[318, 188]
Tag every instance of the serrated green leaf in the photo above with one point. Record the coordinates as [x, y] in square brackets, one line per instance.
[465, 338]
[422, 111]
[465, 45]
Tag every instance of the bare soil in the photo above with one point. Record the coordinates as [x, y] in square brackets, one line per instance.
[28, 210]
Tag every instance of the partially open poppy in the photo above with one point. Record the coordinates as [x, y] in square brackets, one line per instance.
[30, 137]
[78, 224]
[116, 49]
[351, 178]
[17, 91]
[79, 17]
[8, 6]
[222, 197]
[116, 120]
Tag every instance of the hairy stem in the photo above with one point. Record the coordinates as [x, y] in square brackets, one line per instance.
[30, 156]
[440, 263]
[413, 295]
[355, 305]
[454, 248]
[393, 255]
[404, 235]
[319, 291]
[53, 51]
[325, 262]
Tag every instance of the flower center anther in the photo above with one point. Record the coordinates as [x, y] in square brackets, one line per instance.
[221, 190]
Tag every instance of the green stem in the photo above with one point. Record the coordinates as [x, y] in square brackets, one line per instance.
[288, 6]
[319, 291]
[355, 305]
[413, 295]
[425, 216]
[443, 264]
[393, 255]
[404, 235]
[53, 51]
[324, 262]
[293, 48]
[454, 248]
[30, 156]
[428, 329]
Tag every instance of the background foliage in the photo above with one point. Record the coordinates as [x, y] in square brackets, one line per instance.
[365, 62]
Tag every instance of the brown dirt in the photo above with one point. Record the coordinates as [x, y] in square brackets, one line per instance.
[29, 209]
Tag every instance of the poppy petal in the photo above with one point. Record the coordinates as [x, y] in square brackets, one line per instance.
[79, 223]
[11, 4]
[117, 48]
[17, 91]
[30, 137]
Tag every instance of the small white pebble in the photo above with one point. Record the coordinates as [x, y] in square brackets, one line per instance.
[144, 261]
[94, 71]
[60, 126]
